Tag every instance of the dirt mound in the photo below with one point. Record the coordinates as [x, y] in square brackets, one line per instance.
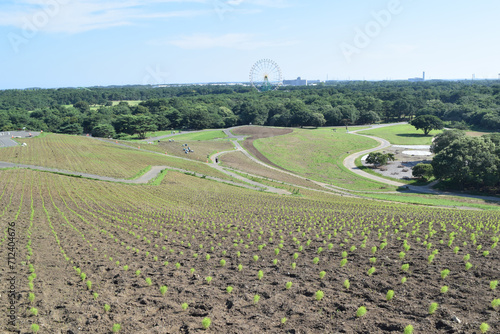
[257, 132]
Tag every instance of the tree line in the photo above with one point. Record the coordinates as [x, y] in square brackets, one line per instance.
[90, 110]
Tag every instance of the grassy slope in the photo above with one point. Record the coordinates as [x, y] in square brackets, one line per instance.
[402, 135]
[318, 154]
[202, 135]
[83, 154]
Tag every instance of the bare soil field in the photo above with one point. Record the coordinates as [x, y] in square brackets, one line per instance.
[77, 226]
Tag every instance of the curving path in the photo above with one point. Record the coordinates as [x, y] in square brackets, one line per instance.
[349, 163]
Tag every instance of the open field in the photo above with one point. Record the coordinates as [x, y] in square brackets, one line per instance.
[404, 134]
[318, 154]
[129, 241]
[239, 161]
[88, 155]
[435, 200]
[201, 149]
[201, 135]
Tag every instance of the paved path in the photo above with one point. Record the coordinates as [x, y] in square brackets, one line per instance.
[349, 163]
[6, 137]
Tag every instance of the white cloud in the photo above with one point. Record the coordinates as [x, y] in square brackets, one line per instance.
[75, 16]
[229, 41]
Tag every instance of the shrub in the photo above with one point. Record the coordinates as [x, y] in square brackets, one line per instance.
[484, 327]
[361, 311]
[495, 303]
[445, 273]
[390, 295]
[433, 308]
[206, 322]
[260, 274]
[319, 295]
[408, 329]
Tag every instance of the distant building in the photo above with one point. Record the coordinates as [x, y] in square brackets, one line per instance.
[417, 79]
[313, 82]
[297, 82]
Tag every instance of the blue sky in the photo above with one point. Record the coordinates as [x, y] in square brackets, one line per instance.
[79, 43]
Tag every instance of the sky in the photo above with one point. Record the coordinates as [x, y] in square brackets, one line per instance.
[83, 43]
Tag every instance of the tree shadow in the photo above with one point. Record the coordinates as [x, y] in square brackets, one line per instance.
[412, 135]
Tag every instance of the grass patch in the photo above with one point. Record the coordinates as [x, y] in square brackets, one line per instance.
[201, 136]
[141, 173]
[157, 180]
[434, 200]
[404, 134]
[318, 154]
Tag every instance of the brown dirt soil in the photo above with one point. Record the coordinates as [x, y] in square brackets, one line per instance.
[239, 161]
[258, 132]
[91, 208]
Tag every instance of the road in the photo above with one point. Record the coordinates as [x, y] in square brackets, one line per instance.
[6, 137]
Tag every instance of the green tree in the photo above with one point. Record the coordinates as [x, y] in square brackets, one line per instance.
[468, 161]
[427, 123]
[142, 124]
[423, 171]
[444, 139]
[103, 131]
[317, 120]
[379, 159]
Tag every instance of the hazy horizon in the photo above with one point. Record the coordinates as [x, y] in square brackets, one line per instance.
[84, 43]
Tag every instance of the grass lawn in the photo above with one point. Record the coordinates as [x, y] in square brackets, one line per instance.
[436, 200]
[318, 154]
[404, 134]
[201, 135]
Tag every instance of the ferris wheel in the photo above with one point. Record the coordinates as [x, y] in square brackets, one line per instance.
[265, 75]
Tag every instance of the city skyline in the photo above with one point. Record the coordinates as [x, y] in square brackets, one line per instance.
[83, 43]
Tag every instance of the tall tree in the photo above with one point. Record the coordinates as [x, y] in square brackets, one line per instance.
[427, 123]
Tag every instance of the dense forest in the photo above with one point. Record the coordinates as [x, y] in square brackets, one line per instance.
[461, 104]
